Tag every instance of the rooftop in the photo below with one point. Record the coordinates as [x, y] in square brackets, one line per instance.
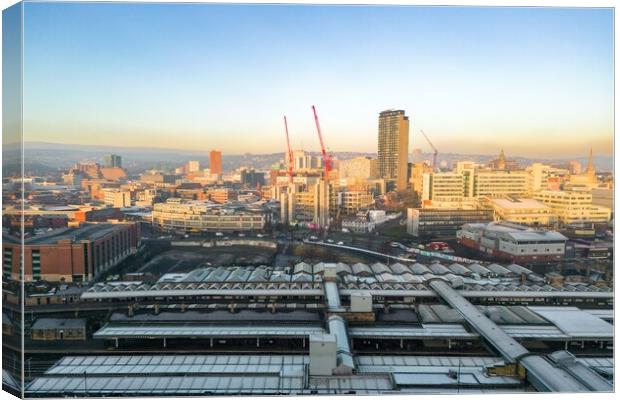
[84, 232]
[518, 203]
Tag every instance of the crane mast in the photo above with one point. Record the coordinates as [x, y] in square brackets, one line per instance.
[433, 147]
[290, 152]
[327, 159]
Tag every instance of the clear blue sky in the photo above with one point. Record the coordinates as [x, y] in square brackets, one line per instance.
[536, 81]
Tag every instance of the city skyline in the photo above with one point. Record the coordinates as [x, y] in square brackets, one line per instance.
[161, 76]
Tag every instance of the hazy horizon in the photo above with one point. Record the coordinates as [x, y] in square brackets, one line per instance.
[534, 81]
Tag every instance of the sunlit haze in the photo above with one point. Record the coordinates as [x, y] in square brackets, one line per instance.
[535, 81]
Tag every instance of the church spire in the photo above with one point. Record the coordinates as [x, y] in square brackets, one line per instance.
[501, 161]
[590, 169]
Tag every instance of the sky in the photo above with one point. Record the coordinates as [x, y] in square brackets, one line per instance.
[535, 81]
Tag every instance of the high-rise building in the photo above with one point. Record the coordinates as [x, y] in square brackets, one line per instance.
[393, 147]
[113, 161]
[361, 168]
[215, 159]
[193, 166]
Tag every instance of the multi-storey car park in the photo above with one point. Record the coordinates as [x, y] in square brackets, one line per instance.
[340, 329]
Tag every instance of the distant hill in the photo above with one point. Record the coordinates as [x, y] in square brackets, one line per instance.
[54, 156]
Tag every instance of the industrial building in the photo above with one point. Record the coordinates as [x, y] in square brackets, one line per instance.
[513, 242]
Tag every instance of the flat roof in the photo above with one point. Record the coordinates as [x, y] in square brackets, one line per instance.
[576, 323]
[425, 331]
[85, 232]
[519, 204]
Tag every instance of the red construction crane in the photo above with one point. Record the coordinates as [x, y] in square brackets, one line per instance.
[327, 158]
[290, 152]
[433, 147]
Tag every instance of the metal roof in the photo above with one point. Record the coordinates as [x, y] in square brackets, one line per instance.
[59, 323]
[426, 331]
[196, 330]
[576, 323]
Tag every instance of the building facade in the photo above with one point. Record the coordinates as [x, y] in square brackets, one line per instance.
[195, 216]
[513, 242]
[113, 161]
[71, 254]
[393, 147]
[442, 223]
[358, 169]
[573, 206]
[521, 211]
[215, 162]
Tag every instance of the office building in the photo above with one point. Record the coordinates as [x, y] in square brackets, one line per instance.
[416, 176]
[523, 211]
[193, 166]
[117, 198]
[500, 183]
[603, 197]
[441, 222]
[251, 178]
[215, 162]
[71, 254]
[222, 195]
[443, 187]
[113, 161]
[309, 205]
[195, 216]
[573, 206]
[351, 202]
[393, 147]
[303, 161]
[358, 169]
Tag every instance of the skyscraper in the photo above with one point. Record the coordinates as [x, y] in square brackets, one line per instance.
[393, 147]
[215, 159]
[112, 161]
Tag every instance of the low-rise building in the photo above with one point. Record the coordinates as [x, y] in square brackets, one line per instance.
[117, 198]
[222, 195]
[573, 206]
[70, 254]
[513, 242]
[358, 225]
[442, 223]
[521, 211]
[194, 216]
[58, 329]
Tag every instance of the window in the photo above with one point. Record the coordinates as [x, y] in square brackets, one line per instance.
[7, 262]
[36, 265]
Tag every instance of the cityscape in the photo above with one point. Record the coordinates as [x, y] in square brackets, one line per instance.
[316, 253]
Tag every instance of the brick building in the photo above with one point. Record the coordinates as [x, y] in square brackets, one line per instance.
[72, 254]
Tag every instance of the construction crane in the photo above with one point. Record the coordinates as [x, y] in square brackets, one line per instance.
[433, 147]
[290, 152]
[327, 158]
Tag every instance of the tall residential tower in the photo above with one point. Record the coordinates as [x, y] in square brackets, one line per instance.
[393, 147]
[215, 162]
